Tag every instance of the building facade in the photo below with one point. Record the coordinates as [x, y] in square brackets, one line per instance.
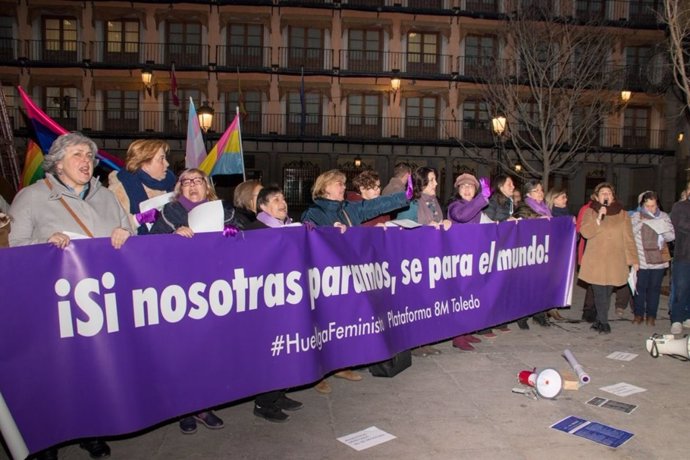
[328, 84]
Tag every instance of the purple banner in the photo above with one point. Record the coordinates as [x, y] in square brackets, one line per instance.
[104, 342]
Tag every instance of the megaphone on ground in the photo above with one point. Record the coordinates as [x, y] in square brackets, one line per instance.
[547, 382]
[668, 344]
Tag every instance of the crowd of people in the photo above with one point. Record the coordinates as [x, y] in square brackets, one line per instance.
[615, 245]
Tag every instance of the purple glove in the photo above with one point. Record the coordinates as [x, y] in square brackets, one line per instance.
[309, 225]
[230, 230]
[486, 187]
[409, 193]
[147, 217]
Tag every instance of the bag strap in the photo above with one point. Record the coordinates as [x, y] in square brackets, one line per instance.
[72, 213]
[349, 222]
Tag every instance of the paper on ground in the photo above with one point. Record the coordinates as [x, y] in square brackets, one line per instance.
[594, 431]
[367, 438]
[622, 356]
[207, 217]
[622, 389]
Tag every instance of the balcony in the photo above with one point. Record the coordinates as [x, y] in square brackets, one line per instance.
[63, 53]
[411, 65]
[309, 59]
[173, 125]
[247, 58]
[9, 50]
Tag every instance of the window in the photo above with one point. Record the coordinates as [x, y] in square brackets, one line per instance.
[61, 106]
[245, 45]
[482, 6]
[306, 48]
[364, 115]
[6, 41]
[529, 127]
[422, 53]
[420, 117]
[60, 39]
[645, 11]
[636, 128]
[425, 4]
[585, 127]
[476, 125]
[176, 116]
[307, 122]
[122, 111]
[636, 61]
[590, 10]
[364, 50]
[250, 110]
[122, 42]
[184, 44]
[480, 55]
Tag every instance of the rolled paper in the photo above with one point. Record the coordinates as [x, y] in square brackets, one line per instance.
[147, 217]
[582, 376]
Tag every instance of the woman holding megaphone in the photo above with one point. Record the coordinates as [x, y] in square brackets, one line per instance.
[609, 252]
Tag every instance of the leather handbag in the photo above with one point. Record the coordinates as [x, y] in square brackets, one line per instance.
[393, 366]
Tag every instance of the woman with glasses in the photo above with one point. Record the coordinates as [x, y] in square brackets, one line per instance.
[192, 189]
[146, 175]
[368, 186]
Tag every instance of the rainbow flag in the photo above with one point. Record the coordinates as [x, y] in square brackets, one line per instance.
[33, 165]
[196, 150]
[226, 156]
[47, 130]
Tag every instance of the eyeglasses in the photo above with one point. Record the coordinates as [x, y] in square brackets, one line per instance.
[189, 182]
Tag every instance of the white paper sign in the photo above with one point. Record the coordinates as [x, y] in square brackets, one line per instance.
[157, 202]
[622, 356]
[404, 223]
[207, 217]
[365, 439]
[75, 235]
[622, 389]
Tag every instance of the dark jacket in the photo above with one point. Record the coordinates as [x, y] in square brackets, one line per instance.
[499, 212]
[327, 212]
[174, 216]
[680, 216]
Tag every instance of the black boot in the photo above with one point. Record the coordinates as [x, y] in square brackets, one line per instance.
[596, 325]
[604, 329]
[540, 319]
[522, 324]
[589, 315]
[96, 448]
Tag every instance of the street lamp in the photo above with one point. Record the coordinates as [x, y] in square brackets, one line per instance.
[205, 115]
[358, 162]
[147, 79]
[498, 125]
[625, 96]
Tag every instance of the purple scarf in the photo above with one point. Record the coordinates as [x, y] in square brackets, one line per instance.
[189, 205]
[271, 221]
[540, 208]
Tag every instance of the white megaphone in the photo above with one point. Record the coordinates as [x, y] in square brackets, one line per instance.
[668, 344]
[547, 382]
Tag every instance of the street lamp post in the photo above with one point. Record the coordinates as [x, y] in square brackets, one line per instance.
[498, 126]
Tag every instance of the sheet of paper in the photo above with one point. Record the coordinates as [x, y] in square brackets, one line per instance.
[632, 280]
[611, 404]
[367, 438]
[207, 217]
[622, 356]
[660, 226]
[622, 389]
[157, 202]
[405, 223]
[75, 235]
[594, 431]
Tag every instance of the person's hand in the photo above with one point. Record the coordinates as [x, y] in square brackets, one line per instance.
[59, 239]
[602, 212]
[185, 231]
[636, 267]
[119, 236]
[446, 224]
[381, 224]
[341, 226]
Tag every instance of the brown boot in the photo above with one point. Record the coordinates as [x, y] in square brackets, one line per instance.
[651, 321]
[637, 320]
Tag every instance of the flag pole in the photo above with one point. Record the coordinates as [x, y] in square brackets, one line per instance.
[239, 135]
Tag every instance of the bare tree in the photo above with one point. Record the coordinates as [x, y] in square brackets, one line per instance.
[555, 87]
[676, 15]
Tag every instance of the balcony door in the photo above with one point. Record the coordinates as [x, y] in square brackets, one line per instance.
[364, 115]
[245, 46]
[184, 44]
[636, 128]
[122, 111]
[305, 48]
[421, 117]
[122, 42]
[364, 51]
[422, 53]
[61, 106]
[60, 39]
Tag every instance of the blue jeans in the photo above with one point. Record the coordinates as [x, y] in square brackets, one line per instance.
[646, 301]
[680, 310]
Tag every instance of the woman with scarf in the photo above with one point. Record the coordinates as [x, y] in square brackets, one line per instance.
[467, 208]
[501, 205]
[609, 252]
[146, 175]
[652, 229]
[192, 189]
